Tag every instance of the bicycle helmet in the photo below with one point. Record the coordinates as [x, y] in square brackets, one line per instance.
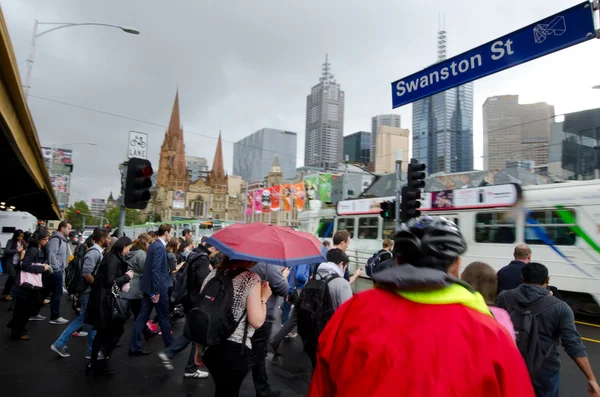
[407, 241]
[441, 243]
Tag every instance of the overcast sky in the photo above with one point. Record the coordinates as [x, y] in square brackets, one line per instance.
[242, 65]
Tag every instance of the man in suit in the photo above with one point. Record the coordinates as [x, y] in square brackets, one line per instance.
[155, 286]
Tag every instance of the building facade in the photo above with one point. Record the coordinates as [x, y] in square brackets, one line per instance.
[514, 131]
[197, 168]
[357, 147]
[390, 120]
[97, 207]
[390, 139]
[59, 163]
[253, 155]
[324, 122]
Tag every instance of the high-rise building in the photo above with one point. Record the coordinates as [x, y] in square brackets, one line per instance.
[59, 163]
[197, 168]
[443, 126]
[357, 147]
[391, 120]
[324, 122]
[390, 139]
[253, 155]
[514, 131]
[98, 206]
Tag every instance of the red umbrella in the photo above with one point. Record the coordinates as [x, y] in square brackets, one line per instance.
[259, 242]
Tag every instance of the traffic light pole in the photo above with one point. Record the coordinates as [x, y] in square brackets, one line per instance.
[122, 213]
[398, 181]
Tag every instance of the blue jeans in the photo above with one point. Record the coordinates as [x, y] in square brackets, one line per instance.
[546, 383]
[57, 293]
[164, 320]
[285, 311]
[75, 325]
[180, 345]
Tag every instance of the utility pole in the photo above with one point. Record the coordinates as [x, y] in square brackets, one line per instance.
[345, 181]
[123, 168]
[398, 181]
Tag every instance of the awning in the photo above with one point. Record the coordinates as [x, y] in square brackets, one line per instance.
[24, 180]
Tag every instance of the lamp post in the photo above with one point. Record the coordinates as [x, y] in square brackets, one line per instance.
[59, 25]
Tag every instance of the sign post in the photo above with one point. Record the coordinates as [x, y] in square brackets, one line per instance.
[137, 145]
[559, 31]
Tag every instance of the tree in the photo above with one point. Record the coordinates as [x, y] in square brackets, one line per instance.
[153, 217]
[77, 219]
[132, 217]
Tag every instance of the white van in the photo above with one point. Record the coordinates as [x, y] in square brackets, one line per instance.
[11, 221]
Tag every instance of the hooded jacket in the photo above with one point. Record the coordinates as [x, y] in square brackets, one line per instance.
[135, 260]
[556, 322]
[420, 332]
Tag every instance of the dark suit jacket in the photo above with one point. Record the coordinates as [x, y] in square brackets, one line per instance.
[509, 277]
[155, 279]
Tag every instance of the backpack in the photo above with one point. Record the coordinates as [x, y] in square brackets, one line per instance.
[373, 261]
[527, 330]
[211, 322]
[314, 307]
[180, 286]
[74, 282]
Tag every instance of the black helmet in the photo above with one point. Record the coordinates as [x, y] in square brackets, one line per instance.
[441, 243]
[407, 242]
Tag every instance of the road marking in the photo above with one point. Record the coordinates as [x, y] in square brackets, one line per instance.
[590, 340]
[588, 324]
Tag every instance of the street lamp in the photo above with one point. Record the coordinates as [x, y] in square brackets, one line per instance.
[60, 25]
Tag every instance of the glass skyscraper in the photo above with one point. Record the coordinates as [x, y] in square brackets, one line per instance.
[357, 147]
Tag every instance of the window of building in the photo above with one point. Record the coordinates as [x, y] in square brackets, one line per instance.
[346, 224]
[548, 223]
[368, 227]
[494, 227]
[325, 228]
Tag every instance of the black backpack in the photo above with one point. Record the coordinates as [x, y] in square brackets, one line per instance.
[373, 262]
[181, 288]
[527, 329]
[314, 307]
[211, 321]
[74, 282]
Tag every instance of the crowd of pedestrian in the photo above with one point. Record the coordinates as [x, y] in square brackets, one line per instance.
[426, 328]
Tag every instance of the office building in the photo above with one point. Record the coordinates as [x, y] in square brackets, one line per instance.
[253, 155]
[390, 120]
[98, 206]
[197, 168]
[443, 126]
[390, 139]
[59, 163]
[324, 122]
[357, 147]
[514, 131]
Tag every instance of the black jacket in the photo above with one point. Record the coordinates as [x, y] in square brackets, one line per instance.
[9, 252]
[198, 268]
[509, 277]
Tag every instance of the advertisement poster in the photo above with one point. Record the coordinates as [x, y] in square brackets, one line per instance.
[311, 185]
[286, 197]
[60, 183]
[299, 195]
[258, 201]
[275, 197]
[442, 199]
[325, 187]
[250, 203]
[178, 200]
[62, 156]
[47, 155]
[266, 200]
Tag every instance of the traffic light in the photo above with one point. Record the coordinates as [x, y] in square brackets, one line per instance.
[138, 183]
[387, 209]
[411, 193]
[107, 226]
[78, 212]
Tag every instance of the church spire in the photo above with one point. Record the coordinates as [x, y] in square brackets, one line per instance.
[172, 171]
[217, 177]
[175, 123]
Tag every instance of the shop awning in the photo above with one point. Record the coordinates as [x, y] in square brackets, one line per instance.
[24, 180]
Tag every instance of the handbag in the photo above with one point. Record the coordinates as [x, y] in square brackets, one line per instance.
[119, 307]
[31, 280]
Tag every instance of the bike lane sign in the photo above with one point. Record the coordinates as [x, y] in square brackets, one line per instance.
[137, 146]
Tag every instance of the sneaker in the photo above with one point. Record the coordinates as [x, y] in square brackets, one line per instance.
[291, 335]
[82, 333]
[38, 317]
[59, 321]
[199, 374]
[100, 356]
[166, 361]
[61, 351]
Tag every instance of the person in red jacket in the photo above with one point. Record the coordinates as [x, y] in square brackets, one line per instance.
[421, 331]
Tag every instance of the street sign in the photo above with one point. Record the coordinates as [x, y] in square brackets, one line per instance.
[564, 29]
[137, 146]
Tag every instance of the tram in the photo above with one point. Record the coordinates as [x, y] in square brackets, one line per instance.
[199, 227]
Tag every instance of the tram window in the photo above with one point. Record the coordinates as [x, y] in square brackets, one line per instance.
[367, 228]
[389, 229]
[346, 224]
[494, 227]
[549, 223]
[325, 228]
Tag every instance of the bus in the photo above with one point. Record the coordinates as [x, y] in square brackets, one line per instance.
[560, 222]
[14, 220]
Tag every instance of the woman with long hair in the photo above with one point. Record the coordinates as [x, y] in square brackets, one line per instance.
[28, 297]
[184, 250]
[228, 362]
[112, 270]
[484, 279]
[13, 253]
[136, 258]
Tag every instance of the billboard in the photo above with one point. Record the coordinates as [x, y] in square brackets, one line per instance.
[60, 183]
[98, 201]
[57, 156]
[178, 200]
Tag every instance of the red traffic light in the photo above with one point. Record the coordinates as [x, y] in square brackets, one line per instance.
[79, 212]
[147, 171]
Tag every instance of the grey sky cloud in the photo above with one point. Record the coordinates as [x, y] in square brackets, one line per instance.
[244, 65]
